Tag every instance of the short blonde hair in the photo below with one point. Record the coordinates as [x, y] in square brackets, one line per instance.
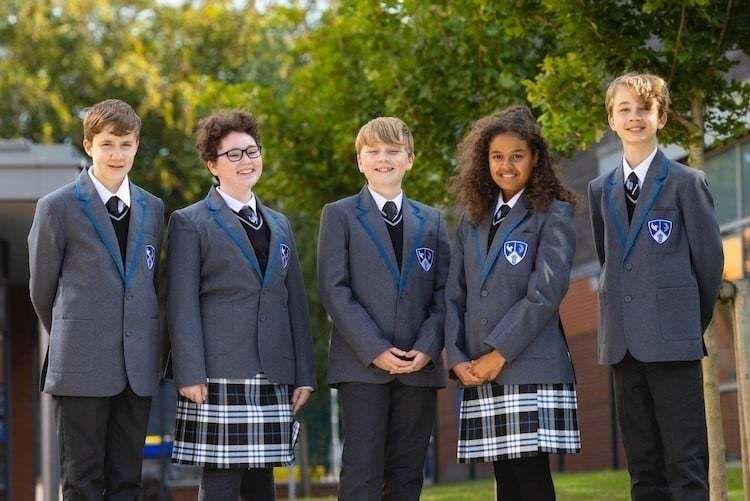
[388, 130]
[113, 113]
[651, 89]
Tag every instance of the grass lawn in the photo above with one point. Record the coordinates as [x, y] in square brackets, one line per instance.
[604, 486]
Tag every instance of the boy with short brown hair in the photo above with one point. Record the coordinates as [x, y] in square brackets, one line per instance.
[93, 253]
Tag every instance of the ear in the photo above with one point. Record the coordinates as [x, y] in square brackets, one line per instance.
[87, 147]
[611, 122]
[211, 165]
[662, 121]
[359, 163]
[411, 161]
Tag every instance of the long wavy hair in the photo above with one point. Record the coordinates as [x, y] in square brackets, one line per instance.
[473, 186]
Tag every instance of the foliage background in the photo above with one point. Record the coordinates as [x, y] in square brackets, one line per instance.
[314, 73]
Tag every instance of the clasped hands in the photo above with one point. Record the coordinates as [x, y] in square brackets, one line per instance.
[482, 370]
[397, 361]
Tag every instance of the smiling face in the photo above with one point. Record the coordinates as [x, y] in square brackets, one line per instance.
[236, 179]
[384, 165]
[511, 162]
[112, 156]
[634, 122]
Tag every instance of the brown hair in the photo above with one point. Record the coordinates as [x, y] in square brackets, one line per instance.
[215, 127]
[113, 113]
[388, 130]
[651, 89]
[475, 190]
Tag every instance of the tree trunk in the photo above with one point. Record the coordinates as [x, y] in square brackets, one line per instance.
[742, 356]
[717, 467]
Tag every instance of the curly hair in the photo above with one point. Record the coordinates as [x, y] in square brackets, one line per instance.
[215, 127]
[474, 187]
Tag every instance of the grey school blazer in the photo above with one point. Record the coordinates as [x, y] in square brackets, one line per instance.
[226, 319]
[373, 304]
[660, 274]
[101, 315]
[508, 299]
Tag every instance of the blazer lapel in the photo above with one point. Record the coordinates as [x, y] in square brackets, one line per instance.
[372, 221]
[413, 229]
[97, 215]
[516, 215]
[227, 221]
[652, 185]
[277, 239]
[138, 217]
[614, 199]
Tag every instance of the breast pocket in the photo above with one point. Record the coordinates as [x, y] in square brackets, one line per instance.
[662, 229]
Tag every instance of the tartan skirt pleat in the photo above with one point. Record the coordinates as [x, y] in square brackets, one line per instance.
[517, 420]
[244, 423]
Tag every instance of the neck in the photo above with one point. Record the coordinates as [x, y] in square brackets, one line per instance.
[637, 153]
[389, 192]
[507, 195]
[239, 194]
[111, 185]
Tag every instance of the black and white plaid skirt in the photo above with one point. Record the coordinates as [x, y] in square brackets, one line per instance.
[517, 420]
[245, 423]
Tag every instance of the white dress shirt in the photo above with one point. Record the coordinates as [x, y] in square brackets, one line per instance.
[123, 192]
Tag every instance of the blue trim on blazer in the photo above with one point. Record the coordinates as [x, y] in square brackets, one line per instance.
[239, 242]
[86, 206]
[417, 243]
[135, 252]
[628, 241]
[275, 229]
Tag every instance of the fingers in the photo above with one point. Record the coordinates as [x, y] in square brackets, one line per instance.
[197, 393]
[299, 399]
[398, 352]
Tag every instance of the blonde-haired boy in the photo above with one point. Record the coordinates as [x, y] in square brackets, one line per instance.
[382, 265]
[661, 256]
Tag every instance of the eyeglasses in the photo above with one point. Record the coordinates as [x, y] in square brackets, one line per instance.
[235, 154]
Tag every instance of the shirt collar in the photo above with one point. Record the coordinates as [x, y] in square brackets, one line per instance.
[123, 192]
[640, 170]
[235, 204]
[380, 200]
[510, 202]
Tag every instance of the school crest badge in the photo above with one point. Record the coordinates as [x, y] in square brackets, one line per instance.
[425, 257]
[660, 229]
[284, 255]
[514, 251]
[150, 256]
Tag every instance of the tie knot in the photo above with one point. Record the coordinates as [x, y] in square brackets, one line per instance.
[632, 187]
[249, 215]
[501, 213]
[113, 206]
[390, 211]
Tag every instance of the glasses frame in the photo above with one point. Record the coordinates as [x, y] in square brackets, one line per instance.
[243, 152]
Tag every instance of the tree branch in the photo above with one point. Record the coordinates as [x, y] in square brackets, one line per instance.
[677, 46]
[720, 42]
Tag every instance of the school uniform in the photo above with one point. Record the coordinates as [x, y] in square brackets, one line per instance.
[92, 283]
[662, 260]
[382, 282]
[238, 321]
[504, 291]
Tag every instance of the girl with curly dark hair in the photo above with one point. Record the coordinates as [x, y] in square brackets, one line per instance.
[510, 268]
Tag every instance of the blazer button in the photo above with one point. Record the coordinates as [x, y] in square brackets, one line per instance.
[628, 298]
[484, 321]
[628, 266]
[485, 293]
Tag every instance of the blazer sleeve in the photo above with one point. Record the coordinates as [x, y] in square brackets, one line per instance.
[431, 336]
[597, 223]
[183, 301]
[334, 288]
[704, 239]
[548, 283]
[299, 316]
[455, 302]
[46, 253]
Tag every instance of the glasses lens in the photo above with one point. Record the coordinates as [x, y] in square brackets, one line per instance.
[253, 152]
[234, 155]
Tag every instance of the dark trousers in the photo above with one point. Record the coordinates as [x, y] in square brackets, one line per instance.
[387, 430]
[662, 416]
[230, 484]
[524, 479]
[101, 445]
